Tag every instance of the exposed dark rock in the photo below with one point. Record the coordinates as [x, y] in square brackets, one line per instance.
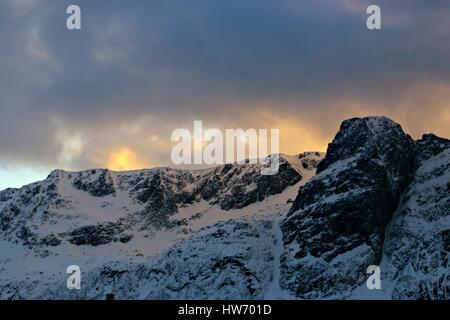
[446, 240]
[417, 243]
[345, 209]
[95, 235]
[124, 238]
[429, 146]
[235, 186]
[253, 187]
[50, 240]
[7, 214]
[28, 237]
[98, 183]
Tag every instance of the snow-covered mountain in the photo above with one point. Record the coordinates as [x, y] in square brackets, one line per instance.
[378, 198]
[157, 233]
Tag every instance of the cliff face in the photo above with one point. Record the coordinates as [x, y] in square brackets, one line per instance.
[335, 228]
[417, 247]
[337, 225]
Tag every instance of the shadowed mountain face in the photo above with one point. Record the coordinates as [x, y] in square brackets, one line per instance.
[336, 227]
[417, 246]
[376, 198]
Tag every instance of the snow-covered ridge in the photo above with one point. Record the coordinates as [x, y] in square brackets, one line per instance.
[379, 198]
[106, 221]
[145, 198]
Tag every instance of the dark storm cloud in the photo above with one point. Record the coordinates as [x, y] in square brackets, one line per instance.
[168, 61]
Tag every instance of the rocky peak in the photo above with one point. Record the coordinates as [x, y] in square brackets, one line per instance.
[430, 145]
[377, 138]
[344, 209]
[416, 250]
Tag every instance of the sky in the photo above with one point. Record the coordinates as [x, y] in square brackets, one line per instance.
[110, 95]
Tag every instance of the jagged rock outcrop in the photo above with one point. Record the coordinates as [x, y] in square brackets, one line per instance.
[335, 228]
[97, 183]
[96, 235]
[417, 252]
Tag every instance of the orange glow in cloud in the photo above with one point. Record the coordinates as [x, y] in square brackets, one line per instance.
[123, 159]
[296, 135]
[296, 138]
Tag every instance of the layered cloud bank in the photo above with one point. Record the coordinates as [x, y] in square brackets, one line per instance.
[111, 94]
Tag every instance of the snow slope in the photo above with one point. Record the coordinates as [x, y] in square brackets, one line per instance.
[95, 219]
